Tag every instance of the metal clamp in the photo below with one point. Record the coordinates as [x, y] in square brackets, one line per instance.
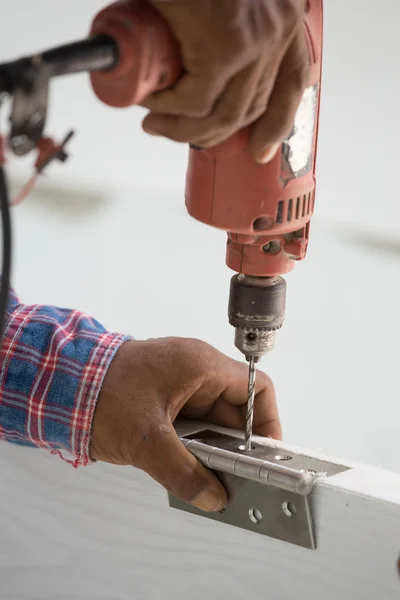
[266, 495]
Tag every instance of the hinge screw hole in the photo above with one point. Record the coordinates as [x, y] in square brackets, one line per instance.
[255, 515]
[289, 509]
[242, 447]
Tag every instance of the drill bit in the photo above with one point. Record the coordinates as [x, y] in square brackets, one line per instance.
[250, 403]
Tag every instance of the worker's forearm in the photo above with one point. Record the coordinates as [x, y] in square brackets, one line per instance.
[52, 365]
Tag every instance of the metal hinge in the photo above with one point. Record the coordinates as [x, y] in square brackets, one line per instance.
[266, 495]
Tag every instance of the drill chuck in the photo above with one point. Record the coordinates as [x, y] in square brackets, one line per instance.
[256, 310]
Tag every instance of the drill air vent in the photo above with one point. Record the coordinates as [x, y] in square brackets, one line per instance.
[293, 210]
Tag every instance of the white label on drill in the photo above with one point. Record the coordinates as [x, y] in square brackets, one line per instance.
[298, 146]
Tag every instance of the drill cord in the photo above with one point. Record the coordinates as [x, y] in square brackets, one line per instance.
[6, 268]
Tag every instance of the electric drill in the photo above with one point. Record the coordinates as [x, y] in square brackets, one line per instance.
[265, 209]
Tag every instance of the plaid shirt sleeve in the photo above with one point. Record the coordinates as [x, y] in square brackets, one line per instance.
[53, 362]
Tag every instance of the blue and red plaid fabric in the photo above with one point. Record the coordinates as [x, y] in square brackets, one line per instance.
[52, 363]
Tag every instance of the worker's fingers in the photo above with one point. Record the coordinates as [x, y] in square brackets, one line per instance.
[266, 420]
[232, 111]
[221, 43]
[255, 95]
[193, 96]
[222, 398]
[163, 456]
[277, 122]
[215, 45]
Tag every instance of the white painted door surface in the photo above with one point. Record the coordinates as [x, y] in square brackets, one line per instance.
[107, 533]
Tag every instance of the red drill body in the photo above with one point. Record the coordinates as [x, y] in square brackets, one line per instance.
[266, 210]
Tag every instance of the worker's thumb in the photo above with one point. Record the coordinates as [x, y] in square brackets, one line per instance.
[166, 460]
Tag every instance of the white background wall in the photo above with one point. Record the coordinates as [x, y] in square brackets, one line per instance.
[122, 247]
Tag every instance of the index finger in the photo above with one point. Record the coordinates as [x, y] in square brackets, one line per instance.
[266, 420]
[193, 96]
[222, 397]
[222, 400]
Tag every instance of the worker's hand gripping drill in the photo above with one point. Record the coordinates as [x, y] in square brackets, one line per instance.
[243, 62]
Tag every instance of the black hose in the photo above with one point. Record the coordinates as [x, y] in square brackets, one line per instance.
[97, 53]
[6, 269]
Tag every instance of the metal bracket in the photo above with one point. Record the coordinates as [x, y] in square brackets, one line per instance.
[266, 495]
[29, 108]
